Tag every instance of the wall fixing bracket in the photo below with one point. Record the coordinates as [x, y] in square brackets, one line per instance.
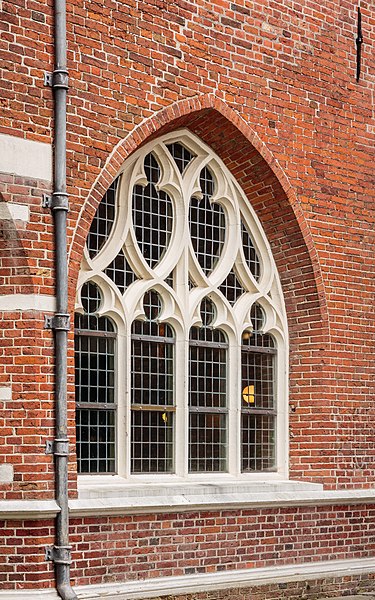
[58, 447]
[59, 554]
[47, 79]
[58, 322]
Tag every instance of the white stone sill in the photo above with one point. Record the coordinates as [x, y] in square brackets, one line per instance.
[239, 578]
[28, 509]
[150, 499]
[99, 497]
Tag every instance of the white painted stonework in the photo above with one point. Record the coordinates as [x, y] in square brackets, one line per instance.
[38, 302]
[6, 473]
[26, 158]
[14, 212]
[5, 393]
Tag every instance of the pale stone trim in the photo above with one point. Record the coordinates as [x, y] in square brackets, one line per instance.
[239, 578]
[10, 211]
[5, 392]
[26, 158]
[146, 499]
[12, 302]
[6, 473]
[28, 509]
[48, 594]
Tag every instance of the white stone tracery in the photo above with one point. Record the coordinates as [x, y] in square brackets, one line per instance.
[181, 305]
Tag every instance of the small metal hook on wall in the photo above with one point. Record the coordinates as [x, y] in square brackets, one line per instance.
[359, 42]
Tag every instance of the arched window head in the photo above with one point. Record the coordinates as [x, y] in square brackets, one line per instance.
[179, 281]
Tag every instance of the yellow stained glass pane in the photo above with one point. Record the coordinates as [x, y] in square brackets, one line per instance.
[248, 394]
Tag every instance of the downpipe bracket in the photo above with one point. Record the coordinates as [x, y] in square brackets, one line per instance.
[60, 555]
[58, 201]
[58, 447]
[58, 322]
[60, 79]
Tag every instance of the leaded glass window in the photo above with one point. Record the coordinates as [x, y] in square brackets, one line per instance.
[152, 391]
[258, 406]
[180, 324]
[207, 394]
[95, 340]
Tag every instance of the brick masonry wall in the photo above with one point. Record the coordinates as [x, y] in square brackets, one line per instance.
[277, 77]
[271, 87]
[126, 548]
[22, 554]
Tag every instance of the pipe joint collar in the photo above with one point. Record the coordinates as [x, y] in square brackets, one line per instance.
[60, 79]
[59, 201]
[58, 447]
[58, 322]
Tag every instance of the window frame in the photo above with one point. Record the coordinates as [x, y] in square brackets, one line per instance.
[275, 324]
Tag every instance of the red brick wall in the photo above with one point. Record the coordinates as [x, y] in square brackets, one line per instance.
[22, 554]
[271, 87]
[125, 548]
[277, 77]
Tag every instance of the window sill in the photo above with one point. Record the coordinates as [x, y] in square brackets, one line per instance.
[112, 495]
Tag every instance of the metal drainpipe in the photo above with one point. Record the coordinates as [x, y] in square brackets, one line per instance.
[60, 553]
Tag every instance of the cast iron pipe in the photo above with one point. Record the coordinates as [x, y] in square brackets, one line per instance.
[59, 206]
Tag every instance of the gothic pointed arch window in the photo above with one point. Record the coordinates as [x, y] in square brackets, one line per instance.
[180, 325]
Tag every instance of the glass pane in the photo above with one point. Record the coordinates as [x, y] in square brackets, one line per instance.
[207, 376]
[182, 156]
[250, 253]
[207, 225]
[94, 369]
[170, 280]
[152, 372]
[232, 288]
[103, 221]
[152, 215]
[258, 442]
[93, 323]
[120, 272]
[152, 441]
[207, 442]
[90, 297]
[95, 441]
[257, 380]
[257, 337]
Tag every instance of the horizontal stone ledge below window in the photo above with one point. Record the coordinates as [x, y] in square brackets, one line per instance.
[28, 509]
[206, 582]
[151, 498]
[179, 502]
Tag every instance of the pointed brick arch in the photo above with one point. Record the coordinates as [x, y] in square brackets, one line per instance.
[277, 206]
[248, 158]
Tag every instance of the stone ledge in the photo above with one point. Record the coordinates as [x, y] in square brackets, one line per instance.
[28, 509]
[239, 578]
[150, 498]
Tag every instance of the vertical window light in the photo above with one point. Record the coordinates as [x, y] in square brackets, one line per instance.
[152, 391]
[95, 339]
[258, 406]
[207, 395]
